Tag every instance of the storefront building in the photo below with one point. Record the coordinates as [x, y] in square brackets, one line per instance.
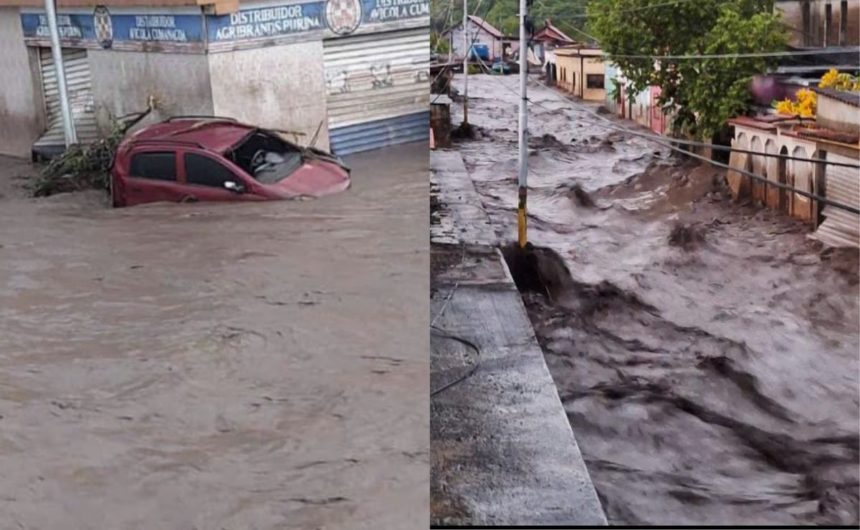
[353, 74]
[581, 72]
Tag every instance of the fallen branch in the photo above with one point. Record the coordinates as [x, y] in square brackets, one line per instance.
[86, 166]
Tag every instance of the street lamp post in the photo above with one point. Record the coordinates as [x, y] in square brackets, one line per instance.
[523, 122]
[466, 54]
[57, 53]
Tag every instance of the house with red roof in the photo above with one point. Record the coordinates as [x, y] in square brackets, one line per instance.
[550, 36]
[544, 44]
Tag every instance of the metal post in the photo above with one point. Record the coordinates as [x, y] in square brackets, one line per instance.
[523, 152]
[57, 53]
[467, 47]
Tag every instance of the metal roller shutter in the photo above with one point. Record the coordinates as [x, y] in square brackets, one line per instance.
[378, 89]
[842, 184]
[80, 98]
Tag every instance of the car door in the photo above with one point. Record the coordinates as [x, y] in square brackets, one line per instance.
[152, 177]
[207, 178]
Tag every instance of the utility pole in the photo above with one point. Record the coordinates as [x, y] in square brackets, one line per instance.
[57, 52]
[524, 70]
[466, 54]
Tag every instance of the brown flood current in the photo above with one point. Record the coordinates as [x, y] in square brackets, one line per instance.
[707, 353]
[236, 366]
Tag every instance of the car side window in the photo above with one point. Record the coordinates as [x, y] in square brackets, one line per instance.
[154, 165]
[204, 171]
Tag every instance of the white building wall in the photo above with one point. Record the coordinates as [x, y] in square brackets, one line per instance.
[837, 115]
[479, 35]
[798, 174]
[22, 115]
[270, 87]
[123, 82]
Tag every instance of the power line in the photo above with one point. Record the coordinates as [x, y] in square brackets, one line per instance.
[468, 51]
[444, 334]
[662, 141]
[784, 53]
[768, 182]
[792, 53]
[718, 147]
[642, 8]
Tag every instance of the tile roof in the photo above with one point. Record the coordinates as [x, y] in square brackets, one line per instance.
[852, 98]
[489, 28]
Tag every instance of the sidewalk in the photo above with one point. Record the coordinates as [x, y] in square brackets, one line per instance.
[502, 450]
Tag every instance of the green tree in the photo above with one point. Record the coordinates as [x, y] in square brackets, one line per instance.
[439, 44]
[702, 93]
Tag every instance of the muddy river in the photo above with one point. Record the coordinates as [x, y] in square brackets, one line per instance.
[235, 366]
[707, 353]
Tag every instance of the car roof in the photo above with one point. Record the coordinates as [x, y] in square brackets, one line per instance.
[214, 134]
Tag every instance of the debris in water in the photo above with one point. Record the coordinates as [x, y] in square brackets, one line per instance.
[537, 269]
[687, 236]
[465, 131]
[580, 196]
[86, 166]
[547, 141]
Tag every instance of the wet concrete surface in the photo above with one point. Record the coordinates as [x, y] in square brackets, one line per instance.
[706, 351]
[237, 366]
[502, 451]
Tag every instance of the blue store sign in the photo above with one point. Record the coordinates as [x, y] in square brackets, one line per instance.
[387, 10]
[132, 31]
[266, 22]
[105, 29]
[339, 16]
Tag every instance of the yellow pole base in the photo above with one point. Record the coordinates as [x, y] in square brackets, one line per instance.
[521, 224]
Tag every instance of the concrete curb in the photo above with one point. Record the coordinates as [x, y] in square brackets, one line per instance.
[502, 449]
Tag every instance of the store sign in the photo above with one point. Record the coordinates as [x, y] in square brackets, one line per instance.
[266, 22]
[386, 10]
[339, 16]
[102, 28]
[105, 29]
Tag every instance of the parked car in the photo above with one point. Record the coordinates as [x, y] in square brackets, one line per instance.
[192, 159]
[500, 67]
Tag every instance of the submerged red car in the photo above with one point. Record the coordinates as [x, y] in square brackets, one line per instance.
[219, 159]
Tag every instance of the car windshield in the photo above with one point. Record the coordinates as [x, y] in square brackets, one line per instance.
[266, 157]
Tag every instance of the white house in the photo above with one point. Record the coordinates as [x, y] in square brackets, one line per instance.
[480, 32]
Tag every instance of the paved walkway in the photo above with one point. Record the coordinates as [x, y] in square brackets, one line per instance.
[502, 450]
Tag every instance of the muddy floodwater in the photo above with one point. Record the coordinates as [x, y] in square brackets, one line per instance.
[707, 352]
[235, 366]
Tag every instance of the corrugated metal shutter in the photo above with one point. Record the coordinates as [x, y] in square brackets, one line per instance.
[841, 228]
[378, 89]
[80, 97]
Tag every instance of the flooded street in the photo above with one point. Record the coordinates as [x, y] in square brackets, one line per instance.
[236, 366]
[707, 353]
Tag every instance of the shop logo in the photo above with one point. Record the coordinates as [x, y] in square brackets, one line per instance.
[103, 26]
[343, 16]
